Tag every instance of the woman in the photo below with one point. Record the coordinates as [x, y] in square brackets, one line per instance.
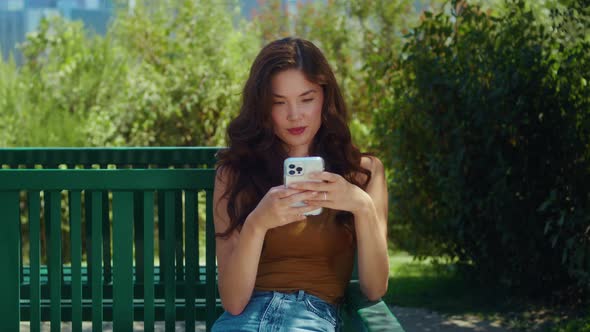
[280, 270]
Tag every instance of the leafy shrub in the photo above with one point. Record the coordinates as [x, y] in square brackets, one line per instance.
[486, 126]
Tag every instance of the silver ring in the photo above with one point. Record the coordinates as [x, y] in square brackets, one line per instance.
[325, 196]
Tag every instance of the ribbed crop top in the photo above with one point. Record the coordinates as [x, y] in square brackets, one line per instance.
[315, 255]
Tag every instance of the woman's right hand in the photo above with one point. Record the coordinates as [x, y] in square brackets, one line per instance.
[275, 209]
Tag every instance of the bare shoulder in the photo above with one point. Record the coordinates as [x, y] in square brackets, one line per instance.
[372, 164]
[223, 175]
[377, 186]
[223, 180]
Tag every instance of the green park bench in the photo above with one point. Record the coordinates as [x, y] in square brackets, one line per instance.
[109, 203]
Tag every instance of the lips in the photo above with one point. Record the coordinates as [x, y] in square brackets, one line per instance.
[296, 130]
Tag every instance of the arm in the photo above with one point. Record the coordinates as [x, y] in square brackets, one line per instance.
[371, 230]
[238, 255]
[370, 217]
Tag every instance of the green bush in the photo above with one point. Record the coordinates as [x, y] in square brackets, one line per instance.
[485, 123]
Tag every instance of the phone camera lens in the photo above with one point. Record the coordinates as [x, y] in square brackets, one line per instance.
[291, 166]
[291, 172]
[299, 169]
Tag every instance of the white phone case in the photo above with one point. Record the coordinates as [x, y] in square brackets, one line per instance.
[297, 169]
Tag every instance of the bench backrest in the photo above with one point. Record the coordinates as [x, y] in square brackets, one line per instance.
[107, 203]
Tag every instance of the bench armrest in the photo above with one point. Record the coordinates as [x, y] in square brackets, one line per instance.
[360, 314]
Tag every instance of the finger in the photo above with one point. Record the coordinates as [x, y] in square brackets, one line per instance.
[301, 196]
[283, 192]
[325, 176]
[281, 189]
[305, 209]
[295, 217]
[310, 185]
[318, 202]
[322, 196]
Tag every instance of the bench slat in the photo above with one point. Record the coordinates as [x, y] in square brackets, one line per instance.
[122, 261]
[148, 261]
[75, 202]
[192, 254]
[138, 210]
[35, 258]
[10, 260]
[169, 249]
[111, 179]
[96, 265]
[53, 209]
[112, 156]
[161, 230]
[179, 239]
[107, 270]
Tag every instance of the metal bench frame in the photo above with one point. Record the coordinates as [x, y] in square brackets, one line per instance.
[129, 190]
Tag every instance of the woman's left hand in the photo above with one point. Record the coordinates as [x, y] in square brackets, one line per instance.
[334, 192]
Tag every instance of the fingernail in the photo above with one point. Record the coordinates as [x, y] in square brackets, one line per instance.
[294, 186]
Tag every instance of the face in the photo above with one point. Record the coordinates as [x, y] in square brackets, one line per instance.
[296, 110]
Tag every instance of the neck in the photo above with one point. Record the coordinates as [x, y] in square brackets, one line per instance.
[298, 152]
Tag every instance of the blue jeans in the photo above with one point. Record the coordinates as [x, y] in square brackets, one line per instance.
[281, 312]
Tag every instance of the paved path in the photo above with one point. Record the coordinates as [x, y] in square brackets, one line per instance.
[421, 320]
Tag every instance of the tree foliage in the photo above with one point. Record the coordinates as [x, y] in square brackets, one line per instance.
[171, 72]
[166, 73]
[185, 78]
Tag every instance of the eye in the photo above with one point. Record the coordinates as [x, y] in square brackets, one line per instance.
[278, 102]
[308, 100]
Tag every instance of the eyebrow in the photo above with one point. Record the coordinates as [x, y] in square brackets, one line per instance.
[301, 95]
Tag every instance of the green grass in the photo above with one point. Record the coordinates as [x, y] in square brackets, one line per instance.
[444, 288]
[438, 286]
[574, 325]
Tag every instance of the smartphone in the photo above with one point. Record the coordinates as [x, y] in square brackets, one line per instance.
[297, 169]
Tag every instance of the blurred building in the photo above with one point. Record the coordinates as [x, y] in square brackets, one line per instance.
[19, 17]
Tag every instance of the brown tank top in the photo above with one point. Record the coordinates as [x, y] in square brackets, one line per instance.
[315, 255]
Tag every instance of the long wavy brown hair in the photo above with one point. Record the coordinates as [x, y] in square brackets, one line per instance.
[254, 158]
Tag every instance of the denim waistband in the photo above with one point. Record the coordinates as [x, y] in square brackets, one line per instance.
[299, 295]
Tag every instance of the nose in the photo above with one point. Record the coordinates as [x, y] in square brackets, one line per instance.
[294, 113]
